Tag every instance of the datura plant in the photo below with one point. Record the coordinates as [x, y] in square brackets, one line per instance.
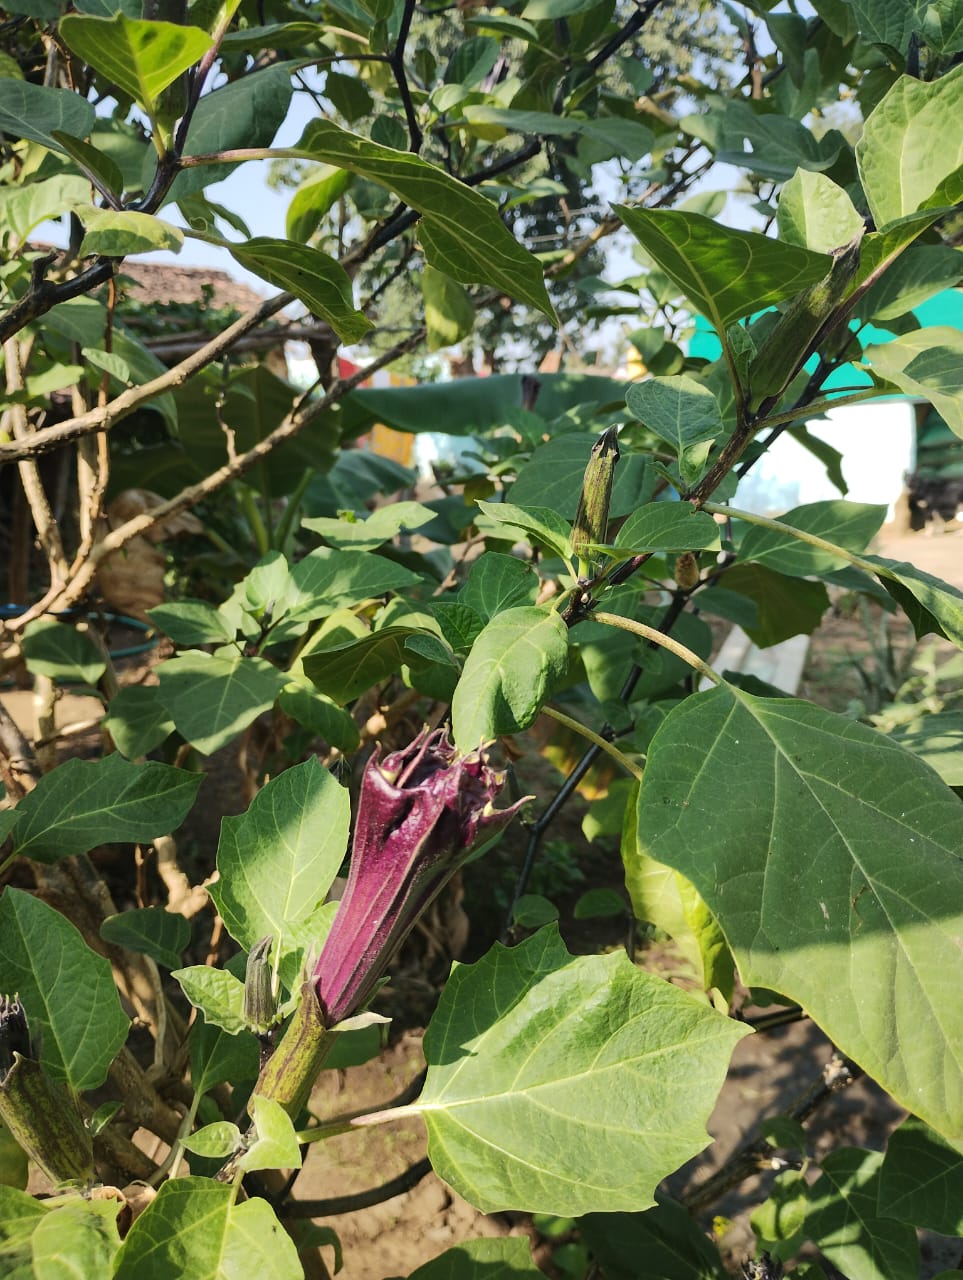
[309, 803]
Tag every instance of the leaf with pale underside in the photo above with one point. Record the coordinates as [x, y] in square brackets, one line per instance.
[514, 664]
[142, 58]
[839, 884]
[907, 158]
[927, 363]
[320, 282]
[726, 274]
[543, 1070]
[460, 230]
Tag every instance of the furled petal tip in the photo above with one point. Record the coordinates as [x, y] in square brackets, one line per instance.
[422, 811]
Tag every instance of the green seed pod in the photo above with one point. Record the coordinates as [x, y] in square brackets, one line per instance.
[592, 516]
[792, 339]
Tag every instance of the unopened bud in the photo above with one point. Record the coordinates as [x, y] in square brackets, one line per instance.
[592, 516]
[260, 1012]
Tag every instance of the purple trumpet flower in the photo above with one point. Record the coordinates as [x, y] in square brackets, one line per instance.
[422, 812]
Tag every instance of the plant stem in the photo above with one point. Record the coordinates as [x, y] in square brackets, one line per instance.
[657, 637]
[603, 745]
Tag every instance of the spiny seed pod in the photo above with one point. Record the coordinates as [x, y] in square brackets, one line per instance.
[592, 516]
[792, 339]
[686, 571]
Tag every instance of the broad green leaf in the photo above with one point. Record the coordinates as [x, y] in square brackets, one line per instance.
[314, 199]
[845, 1224]
[553, 477]
[67, 990]
[665, 898]
[495, 583]
[343, 671]
[276, 862]
[484, 1259]
[668, 526]
[921, 1180]
[191, 622]
[907, 159]
[779, 145]
[215, 1141]
[664, 1243]
[542, 1071]
[22, 209]
[532, 910]
[212, 698]
[115, 233]
[320, 282]
[137, 721]
[142, 58]
[930, 604]
[513, 667]
[216, 1056]
[726, 274]
[350, 95]
[844, 859]
[83, 803]
[928, 363]
[851, 525]
[550, 10]
[681, 411]
[151, 931]
[540, 524]
[378, 528]
[56, 649]
[938, 739]
[244, 113]
[628, 138]
[472, 406]
[303, 703]
[36, 112]
[917, 274]
[941, 24]
[885, 22]
[779, 1221]
[79, 1238]
[327, 579]
[816, 213]
[449, 311]
[91, 160]
[195, 1228]
[8, 820]
[217, 993]
[276, 1144]
[460, 230]
[785, 606]
[460, 623]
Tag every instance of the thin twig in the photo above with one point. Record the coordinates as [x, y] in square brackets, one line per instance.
[657, 637]
[584, 731]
